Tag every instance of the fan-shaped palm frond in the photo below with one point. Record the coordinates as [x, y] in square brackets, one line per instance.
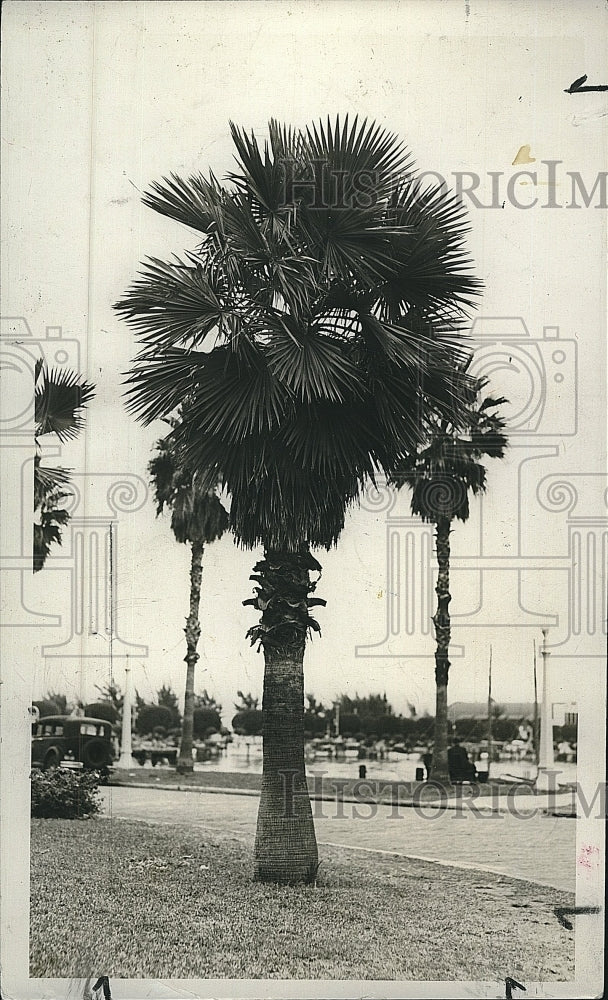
[47, 480]
[60, 396]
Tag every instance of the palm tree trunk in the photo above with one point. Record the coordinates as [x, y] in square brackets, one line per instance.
[441, 621]
[185, 763]
[285, 844]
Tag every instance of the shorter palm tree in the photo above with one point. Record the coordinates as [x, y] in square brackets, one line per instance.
[197, 517]
[441, 476]
[60, 396]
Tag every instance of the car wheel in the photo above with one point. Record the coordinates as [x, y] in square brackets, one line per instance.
[52, 758]
[96, 754]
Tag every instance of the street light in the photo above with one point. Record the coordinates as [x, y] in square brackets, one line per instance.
[125, 760]
[546, 773]
[336, 705]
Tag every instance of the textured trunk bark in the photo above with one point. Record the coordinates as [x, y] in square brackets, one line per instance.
[285, 844]
[441, 621]
[185, 763]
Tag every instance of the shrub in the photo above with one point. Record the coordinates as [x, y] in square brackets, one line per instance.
[102, 710]
[314, 725]
[205, 721]
[63, 794]
[248, 723]
[46, 708]
[350, 724]
[151, 716]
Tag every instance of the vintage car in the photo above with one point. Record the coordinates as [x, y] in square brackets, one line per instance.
[72, 741]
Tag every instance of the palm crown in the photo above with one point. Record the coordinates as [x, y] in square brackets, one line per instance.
[442, 474]
[317, 328]
[197, 515]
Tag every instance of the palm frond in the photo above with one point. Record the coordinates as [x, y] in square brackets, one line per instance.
[196, 201]
[47, 530]
[173, 304]
[312, 366]
[60, 396]
[47, 481]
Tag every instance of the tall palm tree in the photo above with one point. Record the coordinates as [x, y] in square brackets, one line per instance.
[197, 518]
[60, 396]
[441, 476]
[317, 327]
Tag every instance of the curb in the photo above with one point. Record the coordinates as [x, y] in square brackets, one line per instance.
[453, 804]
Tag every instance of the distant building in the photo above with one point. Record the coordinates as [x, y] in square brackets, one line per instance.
[479, 710]
[564, 713]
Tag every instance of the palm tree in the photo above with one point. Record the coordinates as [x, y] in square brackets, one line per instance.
[60, 395]
[441, 476]
[197, 518]
[316, 328]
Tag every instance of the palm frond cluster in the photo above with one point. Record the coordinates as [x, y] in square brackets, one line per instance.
[197, 514]
[442, 474]
[317, 330]
[60, 396]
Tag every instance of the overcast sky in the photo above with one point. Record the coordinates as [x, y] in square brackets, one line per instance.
[102, 99]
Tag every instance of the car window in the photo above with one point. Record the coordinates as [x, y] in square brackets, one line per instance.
[58, 730]
[48, 730]
[88, 729]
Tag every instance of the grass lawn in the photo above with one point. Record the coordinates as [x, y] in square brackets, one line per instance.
[131, 900]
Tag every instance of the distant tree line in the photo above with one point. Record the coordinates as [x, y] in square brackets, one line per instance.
[360, 717]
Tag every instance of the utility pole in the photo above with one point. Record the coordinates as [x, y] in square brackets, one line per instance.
[535, 717]
[546, 774]
[126, 760]
[490, 714]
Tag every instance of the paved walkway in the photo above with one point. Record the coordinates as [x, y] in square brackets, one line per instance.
[538, 848]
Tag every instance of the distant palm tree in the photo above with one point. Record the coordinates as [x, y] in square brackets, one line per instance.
[197, 518]
[60, 396]
[441, 476]
[315, 328]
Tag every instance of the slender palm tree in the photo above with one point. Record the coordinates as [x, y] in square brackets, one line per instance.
[317, 328]
[60, 396]
[197, 518]
[441, 476]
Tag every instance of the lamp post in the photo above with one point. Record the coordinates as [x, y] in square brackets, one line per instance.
[546, 771]
[126, 760]
[336, 705]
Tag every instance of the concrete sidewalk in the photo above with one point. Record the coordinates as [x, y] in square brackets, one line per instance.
[532, 846]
